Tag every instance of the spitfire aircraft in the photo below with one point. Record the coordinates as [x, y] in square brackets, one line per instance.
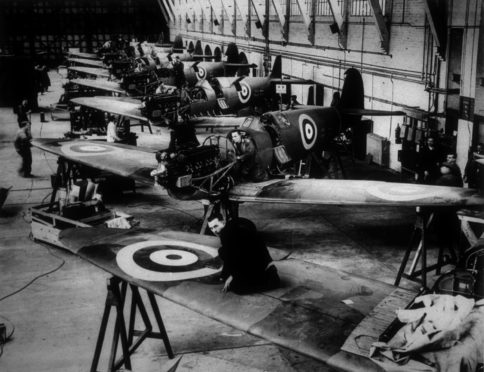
[230, 94]
[278, 138]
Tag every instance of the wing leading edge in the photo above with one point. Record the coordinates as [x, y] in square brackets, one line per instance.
[122, 160]
[109, 86]
[354, 192]
[128, 107]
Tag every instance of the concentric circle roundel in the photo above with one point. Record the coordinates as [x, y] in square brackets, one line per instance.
[201, 73]
[80, 148]
[404, 192]
[167, 260]
[309, 131]
[244, 92]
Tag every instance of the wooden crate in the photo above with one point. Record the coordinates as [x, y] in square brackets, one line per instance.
[47, 223]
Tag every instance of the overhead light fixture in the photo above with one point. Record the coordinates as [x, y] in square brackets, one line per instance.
[334, 28]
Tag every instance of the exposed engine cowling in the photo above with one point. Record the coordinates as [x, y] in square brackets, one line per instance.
[185, 173]
[121, 67]
[158, 108]
[137, 81]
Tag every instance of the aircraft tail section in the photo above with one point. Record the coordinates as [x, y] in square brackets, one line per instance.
[352, 105]
[232, 53]
[352, 95]
[276, 72]
[178, 43]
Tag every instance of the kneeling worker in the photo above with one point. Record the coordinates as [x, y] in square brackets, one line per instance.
[247, 264]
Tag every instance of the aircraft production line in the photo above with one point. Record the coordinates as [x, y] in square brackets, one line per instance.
[57, 317]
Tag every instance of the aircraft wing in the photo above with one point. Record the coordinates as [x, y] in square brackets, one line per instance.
[137, 163]
[228, 64]
[102, 72]
[229, 122]
[366, 112]
[87, 62]
[122, 160]
[107, 85]
[124, 106]
[183, 267]
[354, 192]
[84, 55]
[292, 81]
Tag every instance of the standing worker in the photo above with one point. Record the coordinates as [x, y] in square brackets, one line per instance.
[178, 68]
[474, 174]
[428, 163]
[23, 112]
[22, 146]
[111, 134]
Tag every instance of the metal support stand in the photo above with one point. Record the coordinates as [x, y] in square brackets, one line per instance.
[116, 296]
[418, 243]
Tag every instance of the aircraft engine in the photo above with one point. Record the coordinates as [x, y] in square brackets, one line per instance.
[183, 173]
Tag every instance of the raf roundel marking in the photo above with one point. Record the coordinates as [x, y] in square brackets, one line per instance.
[308, 130]
[201, 73]
[403, 193]
[167, 260]
[79, 149]
[244, 93]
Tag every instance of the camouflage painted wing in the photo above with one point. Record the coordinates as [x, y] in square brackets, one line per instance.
[302, 315]
[122, 160]
[354, 192]
[129, 107]
[109, 86]
[83, 55]
[101, 72]
[86, 62]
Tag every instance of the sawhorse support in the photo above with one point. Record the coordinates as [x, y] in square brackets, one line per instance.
[116, 297]
[418, 242]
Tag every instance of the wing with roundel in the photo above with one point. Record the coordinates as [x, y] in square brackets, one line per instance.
[119, 159]
[144, 256]
[86, 62]
[354, 192]
[300, 315]
[124, 106]
[102, 72]
[109, 86]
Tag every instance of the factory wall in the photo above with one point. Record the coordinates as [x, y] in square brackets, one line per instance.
[395, 80]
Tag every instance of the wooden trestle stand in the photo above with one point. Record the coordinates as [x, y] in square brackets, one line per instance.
[417, 242]
[116, 298]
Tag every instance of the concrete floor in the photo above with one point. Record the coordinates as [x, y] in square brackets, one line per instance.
[56, 318]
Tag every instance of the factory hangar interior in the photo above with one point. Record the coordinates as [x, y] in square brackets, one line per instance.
[107, 261]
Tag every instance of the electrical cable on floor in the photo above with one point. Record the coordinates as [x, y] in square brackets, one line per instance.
[37, 277]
